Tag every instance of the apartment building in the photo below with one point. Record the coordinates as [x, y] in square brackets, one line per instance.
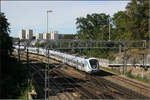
[29, 34]
[22, 34]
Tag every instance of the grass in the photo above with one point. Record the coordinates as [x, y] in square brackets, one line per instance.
[112, 70]
[128, 74]
[144, 79]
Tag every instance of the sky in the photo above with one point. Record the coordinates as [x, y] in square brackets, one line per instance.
[32, 14]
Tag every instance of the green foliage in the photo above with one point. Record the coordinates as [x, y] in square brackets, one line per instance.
[115, 70]
[16, 81]
[68, 36]
[138, 77]
[128, 74]
[5, 40]
[94, 26]
[132, 24]
[5, 48]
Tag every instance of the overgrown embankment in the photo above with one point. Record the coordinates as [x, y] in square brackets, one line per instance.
[15, 81]
[134, 73]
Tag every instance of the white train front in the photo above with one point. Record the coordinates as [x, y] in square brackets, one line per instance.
[89, 65]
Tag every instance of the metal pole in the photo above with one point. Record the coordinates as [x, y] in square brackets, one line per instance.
[38, 48]
[47, 22]
[120, 48]
[27, 57]
[124, 66]
[19, 50]
[45, 83]
[46, 65]
[109, 28]
[145, 53]
[28, 90]
[90, 52]
[48, 73]
[149, 28]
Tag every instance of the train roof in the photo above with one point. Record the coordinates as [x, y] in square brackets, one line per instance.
[80, 59]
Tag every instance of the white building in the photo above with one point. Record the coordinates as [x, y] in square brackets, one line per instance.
[46, 36]
[54, 35]
[51, 35]
[22, 34]
[38, 36]
[29, 34]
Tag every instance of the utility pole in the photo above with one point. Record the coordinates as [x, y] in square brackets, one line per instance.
[125, 62]
[149, 29]
[19, 50]
[109, 28]
[27, 57]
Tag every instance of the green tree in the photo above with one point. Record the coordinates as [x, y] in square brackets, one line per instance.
[93, 27]
[132, 24]
[122, 26]
[68, 36]
[138, 11]
[5, 46]
[5, 40]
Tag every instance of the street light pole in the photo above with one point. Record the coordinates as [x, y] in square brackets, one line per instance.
[48, 11]
[47, 66]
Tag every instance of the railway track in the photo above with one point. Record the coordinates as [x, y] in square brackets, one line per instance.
[97, 87]
[80, 89]
[55, 86]
[69, 81]
[111, 89]
[144, 89]
[92, 94]
[87, 91]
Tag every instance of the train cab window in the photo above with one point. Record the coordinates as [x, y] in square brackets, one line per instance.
[93, 63]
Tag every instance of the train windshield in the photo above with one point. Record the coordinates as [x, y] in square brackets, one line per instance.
[93, 63]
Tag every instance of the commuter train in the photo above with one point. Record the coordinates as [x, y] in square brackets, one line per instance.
[89, 65]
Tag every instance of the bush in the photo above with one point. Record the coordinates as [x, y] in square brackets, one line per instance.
[16, 80]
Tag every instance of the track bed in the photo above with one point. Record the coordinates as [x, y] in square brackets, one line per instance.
[68, 83]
